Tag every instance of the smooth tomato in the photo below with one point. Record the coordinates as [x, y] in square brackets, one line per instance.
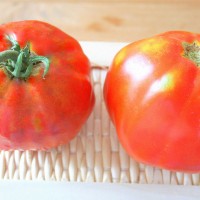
[152, 92]
[37, 112]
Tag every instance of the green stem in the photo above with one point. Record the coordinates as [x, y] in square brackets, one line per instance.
[44, 60]
[18, 66]
[20, 63]
[15, 45]
[28, 71]
[8, 54]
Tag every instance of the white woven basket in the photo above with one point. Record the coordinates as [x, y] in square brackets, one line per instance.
[95, 155]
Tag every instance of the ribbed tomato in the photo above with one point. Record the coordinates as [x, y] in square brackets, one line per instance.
[152, 92]
[45, 89]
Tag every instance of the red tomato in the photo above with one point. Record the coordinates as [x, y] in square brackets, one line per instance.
[37, 112]
[152, 92]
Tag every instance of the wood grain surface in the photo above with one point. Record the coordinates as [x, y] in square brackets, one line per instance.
[107, 20]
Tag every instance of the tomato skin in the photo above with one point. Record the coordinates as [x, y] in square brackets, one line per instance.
[44, 113]
[152, 93]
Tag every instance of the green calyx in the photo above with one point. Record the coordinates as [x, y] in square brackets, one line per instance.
[20, 62]
[192, 52]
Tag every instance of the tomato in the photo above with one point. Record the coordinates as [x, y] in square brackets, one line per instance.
[152, 93]
[45, 90]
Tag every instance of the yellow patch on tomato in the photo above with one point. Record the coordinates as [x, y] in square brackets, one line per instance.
[164, 84]
[153, 45]
[120, 57]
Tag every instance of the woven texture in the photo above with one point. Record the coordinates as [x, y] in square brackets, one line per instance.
[95, 155]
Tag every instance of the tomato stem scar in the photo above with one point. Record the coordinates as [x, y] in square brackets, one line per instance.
[192, 51]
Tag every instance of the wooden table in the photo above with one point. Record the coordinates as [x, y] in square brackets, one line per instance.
[107, 20]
